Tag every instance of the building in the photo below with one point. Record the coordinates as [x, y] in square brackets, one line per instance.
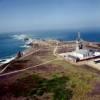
[80, 53]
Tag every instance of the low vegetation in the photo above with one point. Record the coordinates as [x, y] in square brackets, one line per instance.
[34, 87]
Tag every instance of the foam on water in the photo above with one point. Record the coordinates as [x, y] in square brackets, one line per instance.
[7, 60]
[19, 37]
[25, 46]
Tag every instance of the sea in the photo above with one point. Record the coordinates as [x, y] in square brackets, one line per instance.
[12, 42]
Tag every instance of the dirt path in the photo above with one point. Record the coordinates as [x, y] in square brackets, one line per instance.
[22, 70]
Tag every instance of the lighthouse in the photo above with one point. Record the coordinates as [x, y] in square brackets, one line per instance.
[79, 44]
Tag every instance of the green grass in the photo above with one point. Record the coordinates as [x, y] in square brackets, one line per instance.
[34, 85]
[81, 79]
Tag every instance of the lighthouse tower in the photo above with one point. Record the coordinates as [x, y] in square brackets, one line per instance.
[78, 43]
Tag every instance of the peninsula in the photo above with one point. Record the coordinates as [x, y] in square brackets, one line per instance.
[53, 69]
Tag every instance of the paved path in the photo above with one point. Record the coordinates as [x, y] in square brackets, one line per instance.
[22, 70]
[27, 54]
[4, 69]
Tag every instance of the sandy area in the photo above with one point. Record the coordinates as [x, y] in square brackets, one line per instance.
[93, 64]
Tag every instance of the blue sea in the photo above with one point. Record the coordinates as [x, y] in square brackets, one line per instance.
[11, 43]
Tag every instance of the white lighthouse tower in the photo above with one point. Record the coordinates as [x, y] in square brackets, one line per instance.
[78, 42]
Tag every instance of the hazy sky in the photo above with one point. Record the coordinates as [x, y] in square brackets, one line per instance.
[22, 15]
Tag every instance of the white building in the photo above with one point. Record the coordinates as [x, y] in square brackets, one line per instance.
[80, 52]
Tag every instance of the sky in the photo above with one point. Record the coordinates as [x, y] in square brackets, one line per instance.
[24, 15]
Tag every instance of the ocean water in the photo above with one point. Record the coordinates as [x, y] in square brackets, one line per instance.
[11, 43]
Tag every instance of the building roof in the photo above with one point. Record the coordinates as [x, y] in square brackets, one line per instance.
[82, 51]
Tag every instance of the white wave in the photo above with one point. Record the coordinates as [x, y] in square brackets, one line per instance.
[25, 46]
[23, 37]
[20, 37]
[4, 61]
